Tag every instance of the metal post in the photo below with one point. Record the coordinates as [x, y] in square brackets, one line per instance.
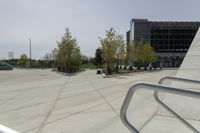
[30, 51]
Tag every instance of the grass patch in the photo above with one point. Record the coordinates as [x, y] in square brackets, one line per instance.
[87, 66]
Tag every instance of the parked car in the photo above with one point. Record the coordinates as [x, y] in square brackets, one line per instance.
[5, 66]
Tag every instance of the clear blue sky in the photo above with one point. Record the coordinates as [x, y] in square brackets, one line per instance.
[44, 21]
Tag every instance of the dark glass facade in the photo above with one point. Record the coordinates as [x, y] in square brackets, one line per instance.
[170, 40]
[172, 36]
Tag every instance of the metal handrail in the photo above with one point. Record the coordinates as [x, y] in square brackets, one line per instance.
[161, 81]
[155, 87]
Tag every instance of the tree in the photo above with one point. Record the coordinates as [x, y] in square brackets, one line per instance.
[149, 54]
[130, 53]
[76, 58]
[85, 59]
[109, 48]
[68, 53]
[23, 61]
[138, 53]
[121, 51]
[143, 53]
[98, 57]
[47, 60]
[54, 57]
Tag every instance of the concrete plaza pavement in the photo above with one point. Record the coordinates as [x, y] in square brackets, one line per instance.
[42, 101]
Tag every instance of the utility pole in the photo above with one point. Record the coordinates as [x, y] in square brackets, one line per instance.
[30, 51]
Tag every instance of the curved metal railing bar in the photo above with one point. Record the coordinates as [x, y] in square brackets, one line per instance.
[160, 88]
[161, 81]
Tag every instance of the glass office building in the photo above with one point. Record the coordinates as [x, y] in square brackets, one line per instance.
[170, 40]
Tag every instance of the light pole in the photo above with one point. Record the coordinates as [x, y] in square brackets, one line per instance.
[30, 51]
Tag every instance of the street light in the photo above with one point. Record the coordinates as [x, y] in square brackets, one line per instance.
[30, 51]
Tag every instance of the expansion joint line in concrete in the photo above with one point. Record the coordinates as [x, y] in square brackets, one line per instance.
[151, 118]
[172, 117]
[52, 107]
[76, 113]
[102, 96]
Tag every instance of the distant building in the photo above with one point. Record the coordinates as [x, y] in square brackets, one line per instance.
[170, 40]
[10, 55]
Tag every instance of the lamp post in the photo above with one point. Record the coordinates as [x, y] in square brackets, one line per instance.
[30, 51]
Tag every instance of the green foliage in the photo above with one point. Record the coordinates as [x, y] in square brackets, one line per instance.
[35, 64]
[67, 54]
[13, 62]
[98, 58]
[138, 52]
[130, 52]
[143, 52]
[24, 61]
[85, 59]
[87, 66]
[113, 48]
[54, 57]
[149, 54]
[109, 46]
[121, 49]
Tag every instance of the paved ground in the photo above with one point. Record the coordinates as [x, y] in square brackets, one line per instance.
[41, 101]
[186, 107]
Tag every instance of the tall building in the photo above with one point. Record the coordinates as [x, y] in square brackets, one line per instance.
[170, 40]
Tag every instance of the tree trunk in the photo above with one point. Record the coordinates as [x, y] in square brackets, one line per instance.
[117, 67]
[108, 68]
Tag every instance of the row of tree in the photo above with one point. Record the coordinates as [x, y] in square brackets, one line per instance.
[141, 53]
[24, 62]
[66, 57]
[114, 52]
